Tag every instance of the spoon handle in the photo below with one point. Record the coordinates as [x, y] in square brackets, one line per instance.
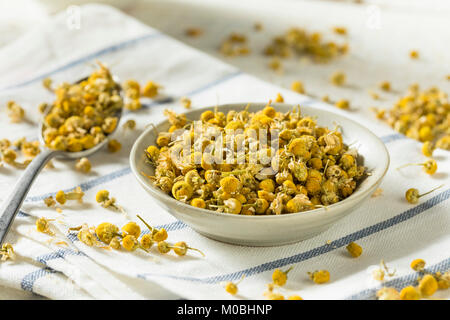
[12, 204]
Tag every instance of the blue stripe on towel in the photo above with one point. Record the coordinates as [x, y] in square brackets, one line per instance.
[59, 254]
[392, 137]
[28, 281]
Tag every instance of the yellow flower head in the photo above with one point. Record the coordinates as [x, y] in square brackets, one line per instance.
[354, 249]
[428, 285]
[132, 228]
[320, 276]
[279, 277]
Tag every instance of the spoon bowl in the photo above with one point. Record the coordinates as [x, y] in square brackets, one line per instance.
[12, 204]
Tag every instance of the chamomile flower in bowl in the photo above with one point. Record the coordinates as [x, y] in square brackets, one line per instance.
[257, 174]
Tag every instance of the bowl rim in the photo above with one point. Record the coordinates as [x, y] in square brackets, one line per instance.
[157, 193]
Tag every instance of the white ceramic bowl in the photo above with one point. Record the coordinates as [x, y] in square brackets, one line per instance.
[274, 229]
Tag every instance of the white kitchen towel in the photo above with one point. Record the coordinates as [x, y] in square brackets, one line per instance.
[387, 227]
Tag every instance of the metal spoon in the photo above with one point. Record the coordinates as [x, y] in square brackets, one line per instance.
[13, 203]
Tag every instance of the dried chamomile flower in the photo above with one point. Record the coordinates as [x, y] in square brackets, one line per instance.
[232, 287]
[414, 54]
[147, 241]
[83, 165]
[279, 98]
[299, 203]
[129, 124]
[275, 65]
[443, 143]
[181, 248]
[83, 114]
[157, 235]
[429, 166]
[343, 104]
[42, 107]
[131, 228]
[234, 45]
[182, 191]
[412, 195]
[231, 205]
[418, 265]
[257, 26]
[130, 243]
[4, 144]
[295, 297]
[15, 112]
[106, 232]
[29, 149]
[132, 89]
[198, 203]
[7, 252]
[133, 104]
[410, 293]
[9, 156]
[374, 95]
[43, 225]
[102, 195]
[385, 85]
[320, 276]
[86, 235]
[47, 84]
[193, 32]
[428, 285]
[115, 243]
[378, 192]
[298, 87]
[103, 198]
[49, 201]
[379, 273]
[422, 115]
[354, 249]
[340, 30]
[379, 113]
[386, 293]
[279, 277]
[326, 98]
[230, 184]
[114, 145]
[427, 149]
[109, 124]
[151, 89]
[338, 78]
[61, 197]
[443, 280]
[186, 102]
[76, 194]
[152, 153]
[177, 120]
